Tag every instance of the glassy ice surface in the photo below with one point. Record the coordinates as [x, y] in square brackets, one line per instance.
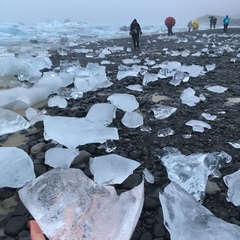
[186, 219]
[149, 77]
[232, 181]
[209, 117]
[148, 176]
[34, 115]
[165, 132]
[235, 144]
[60, 157]
[165, 73]
[136, 87]
[69, 93]
[191, 172]
[126, 71]
[162, 112]
[210, 67]
[11, 122]
[22, 97]
[145, 128]
[102, 113]
[109, 146]
[131, 61]
[132, 119]
[112, 169]
[72, 132]
[124, 101]
[179, 77]
[170, 65]
[197, 125]
[217, 89]
[57, 101]
[193, 70]
[16, 167]
[68, 205]
[91, 78]
[188, 97]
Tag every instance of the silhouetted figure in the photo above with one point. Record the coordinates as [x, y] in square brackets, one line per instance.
[195, 25]
[213, 22]
[170, 22]
[225, 23]
[189, 25]
[135, 31]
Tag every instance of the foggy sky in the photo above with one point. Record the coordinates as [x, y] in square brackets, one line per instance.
[114, 11]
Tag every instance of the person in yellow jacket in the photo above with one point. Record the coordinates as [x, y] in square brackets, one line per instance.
[195, 24]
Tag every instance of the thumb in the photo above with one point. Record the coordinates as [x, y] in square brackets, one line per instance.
[35, 231]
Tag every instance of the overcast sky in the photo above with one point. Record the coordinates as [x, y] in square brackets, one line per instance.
[114, 11]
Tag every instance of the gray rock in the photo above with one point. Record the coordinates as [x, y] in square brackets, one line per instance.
[39, 147]
[15, 225]
[82, 157]
[212, 188]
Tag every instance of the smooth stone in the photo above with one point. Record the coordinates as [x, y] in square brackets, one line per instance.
[212, 188]
[39, 147]
[15, 225]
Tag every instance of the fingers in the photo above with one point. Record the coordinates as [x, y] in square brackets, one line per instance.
[35, 231]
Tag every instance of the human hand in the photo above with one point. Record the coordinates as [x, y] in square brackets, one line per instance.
[35, 231]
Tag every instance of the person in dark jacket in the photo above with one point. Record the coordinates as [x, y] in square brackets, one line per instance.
[170, 22]
[213, 22]
[135, 31]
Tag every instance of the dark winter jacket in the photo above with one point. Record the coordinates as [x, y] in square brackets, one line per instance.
[135, 28]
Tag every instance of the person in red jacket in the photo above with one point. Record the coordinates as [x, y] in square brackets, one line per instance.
[170, 22]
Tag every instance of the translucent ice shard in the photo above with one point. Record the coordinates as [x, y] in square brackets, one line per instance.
[132, 119]
[193, 70]
[232, 181]
[71, 131]
[68, 205]
[170, 65]
[12, 163]
[60, 157]
[136, 87]
[179, 77]
[165, 73]
[11, 122]
[162, 112]
[123, 101]
[235, 144]
[34, 115]
[148, 176]
[102, 113]
[188, 97]
[57, 101]
[217, 89]
[191, 172]
[186, 219]
[210, 67]
[131, 61]
[149, 77]
[112, 169]
[208, 116]
[165, 132]
[198, 126]
[125, 71]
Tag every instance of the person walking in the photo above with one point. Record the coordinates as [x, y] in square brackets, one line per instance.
[170, 22]
[213, 22]
[195, 24]
[225, 23]
[189, 25]
[135, 31]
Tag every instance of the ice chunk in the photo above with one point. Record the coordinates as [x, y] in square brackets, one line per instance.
[149, 77]
[165, 73]
[162, 112]
[123, 101]
[34, 115]
[198, 126]
[191, 172]
[217, 89]
[102, 113]
[188, 97]
[68, 205]
[112, 169]
[170, 65]
[235, 144]
[210, 67]
[69, 93]
[11, 122]
[208, 116]
[232, 181]
[131, 61]
[16, 167]
[193, 70]
[71, 131]
[60, 157]
[109, 146]
[57, 101]
[186, 219]
[125, 71]
[136, 87]
[132, 119]
[148, 176]
[165, 132]
[179, 77]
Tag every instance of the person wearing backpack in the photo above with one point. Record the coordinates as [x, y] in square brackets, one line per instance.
[135, 31]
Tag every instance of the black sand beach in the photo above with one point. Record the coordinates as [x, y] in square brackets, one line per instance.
[146, 147]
